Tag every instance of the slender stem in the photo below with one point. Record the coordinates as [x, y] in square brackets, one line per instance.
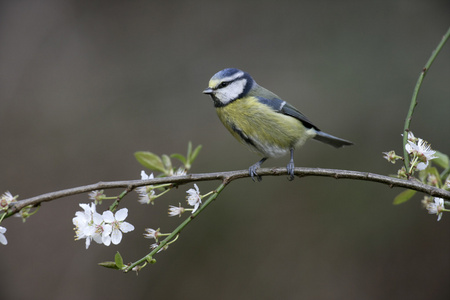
[413, 103]
[115, 204]
[177, 231]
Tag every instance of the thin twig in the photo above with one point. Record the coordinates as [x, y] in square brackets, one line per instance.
[413, 103]
[174, 234]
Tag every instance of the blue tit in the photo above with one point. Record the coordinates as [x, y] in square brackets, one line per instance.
[261, 120]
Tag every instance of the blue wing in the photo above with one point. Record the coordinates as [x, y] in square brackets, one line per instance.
[283, 107]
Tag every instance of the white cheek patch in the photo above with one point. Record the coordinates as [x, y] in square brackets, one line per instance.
[232, 91]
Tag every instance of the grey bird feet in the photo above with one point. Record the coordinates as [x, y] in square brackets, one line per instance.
[290, 169]
[290, 166]
[253, 168]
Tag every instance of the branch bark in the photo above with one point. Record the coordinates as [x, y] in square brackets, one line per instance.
[227, 177]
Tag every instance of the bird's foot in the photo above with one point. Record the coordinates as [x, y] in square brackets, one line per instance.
[253, 174]
[290, 169]
[253, 168]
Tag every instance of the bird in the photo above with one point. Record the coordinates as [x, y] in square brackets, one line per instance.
[261, 120]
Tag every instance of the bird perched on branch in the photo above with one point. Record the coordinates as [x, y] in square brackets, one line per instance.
[261, 120]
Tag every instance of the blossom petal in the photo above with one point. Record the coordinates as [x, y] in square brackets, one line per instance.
[422, 166]
[98, 239]
[107, 229]
[98, 219]
[106, 239]
[126, 227]
[121, 214]
[108, 216]
[85, 207]
[116, 236]
[195, 207]
[143, 175]
[3, 239]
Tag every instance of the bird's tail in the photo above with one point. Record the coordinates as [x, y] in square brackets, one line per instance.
[331, 140]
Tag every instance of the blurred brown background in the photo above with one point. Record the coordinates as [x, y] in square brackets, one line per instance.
[85, 84]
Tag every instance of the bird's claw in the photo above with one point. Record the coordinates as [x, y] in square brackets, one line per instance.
[253, 174]
[290, 169]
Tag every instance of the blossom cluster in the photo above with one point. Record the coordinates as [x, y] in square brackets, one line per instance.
[419, 151]
[434, 206]
[5, 200]
[420, 155]
[147, 195]
[105, 228]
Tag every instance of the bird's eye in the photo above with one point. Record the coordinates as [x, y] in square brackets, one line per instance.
[223, 84]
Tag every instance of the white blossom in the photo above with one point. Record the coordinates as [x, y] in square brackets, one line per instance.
[2, 236]
[145, 193]
[180, 172]
[6, 199]
[151, 233]
[176, 210]
[156, 245]
[96, 196]
[118, 224]
[436, 208]
[86, 223]
[194, 198]
[422, 150]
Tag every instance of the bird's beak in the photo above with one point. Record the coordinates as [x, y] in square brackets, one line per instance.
[208, 91]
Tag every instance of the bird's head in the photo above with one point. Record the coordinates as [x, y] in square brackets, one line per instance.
[228, 85]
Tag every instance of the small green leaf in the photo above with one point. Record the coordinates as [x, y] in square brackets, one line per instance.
[119, 261]
[404, 196]
[441, 160]
[109, 264]
[189, 150]
[195, 153]
[150, 160]
[167, 163]
[179, 157]
[191, 157]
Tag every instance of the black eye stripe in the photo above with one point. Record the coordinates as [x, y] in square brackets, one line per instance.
[223, 84]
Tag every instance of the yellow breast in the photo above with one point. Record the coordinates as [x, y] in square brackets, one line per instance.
[269, 133]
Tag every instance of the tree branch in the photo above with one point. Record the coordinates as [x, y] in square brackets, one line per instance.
[230, 176]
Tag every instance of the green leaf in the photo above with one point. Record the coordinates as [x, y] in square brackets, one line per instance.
[167, 163]
[119, 261]
[150, 160]
[195, 153]
[441, 160]
[191, 156]
[189, 150]
[404, 196]
[109, 264]
[179, 157]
